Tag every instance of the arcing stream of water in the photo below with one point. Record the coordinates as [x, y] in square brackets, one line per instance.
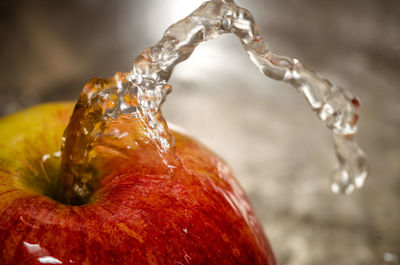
[140, 93]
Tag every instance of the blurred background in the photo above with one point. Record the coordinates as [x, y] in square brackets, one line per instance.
[280, 152]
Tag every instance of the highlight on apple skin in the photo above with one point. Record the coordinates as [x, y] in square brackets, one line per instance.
[138, 213]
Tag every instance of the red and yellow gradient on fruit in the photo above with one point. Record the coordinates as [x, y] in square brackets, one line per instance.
[138, 214]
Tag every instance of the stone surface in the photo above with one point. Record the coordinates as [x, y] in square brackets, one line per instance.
[280, 152]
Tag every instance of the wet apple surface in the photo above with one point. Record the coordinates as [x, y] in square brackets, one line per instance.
[138, 214]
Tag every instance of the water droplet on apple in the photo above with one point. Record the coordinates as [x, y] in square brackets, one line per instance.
[40, 253]
[32, 248]
[49, 260]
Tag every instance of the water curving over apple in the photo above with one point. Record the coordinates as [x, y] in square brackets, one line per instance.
[137, 96]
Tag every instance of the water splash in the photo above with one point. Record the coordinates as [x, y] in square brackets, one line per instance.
[140, 93]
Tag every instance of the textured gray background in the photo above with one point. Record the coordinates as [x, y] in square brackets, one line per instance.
[281, 154]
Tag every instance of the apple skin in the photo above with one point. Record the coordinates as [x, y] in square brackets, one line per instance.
[199, 215]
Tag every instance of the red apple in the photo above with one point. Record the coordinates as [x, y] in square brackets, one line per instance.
[137, 215]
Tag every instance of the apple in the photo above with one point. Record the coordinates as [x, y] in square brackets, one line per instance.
[136, 215]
